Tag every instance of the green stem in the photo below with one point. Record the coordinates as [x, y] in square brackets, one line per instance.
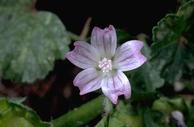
[82, 115]
[73, 36]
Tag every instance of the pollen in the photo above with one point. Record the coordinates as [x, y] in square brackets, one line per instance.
[105, 65]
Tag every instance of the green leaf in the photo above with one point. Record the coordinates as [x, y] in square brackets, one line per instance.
[187, 10]
[170, 48]
[114, 122]
[152, 118]
[17, 3]
[168, 62]
[190, 116]
[17, 100]
[182, 1]
[167, 105]
[30, 42]
[126, 114]
[127, 120]
[123, 116]
[120, 120]
[167, 32]
[147, 77]
[102, 122]
[17, 115]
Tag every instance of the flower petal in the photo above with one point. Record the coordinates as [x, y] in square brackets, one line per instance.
[84, 55]
[116, 85]
[88, 80]
[104, 40]
[128, 56]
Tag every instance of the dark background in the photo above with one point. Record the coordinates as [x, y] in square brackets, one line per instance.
[135, 16]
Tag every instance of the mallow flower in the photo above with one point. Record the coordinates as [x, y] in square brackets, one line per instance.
[104, 65]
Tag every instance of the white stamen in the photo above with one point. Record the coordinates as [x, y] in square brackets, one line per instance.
[105, 65]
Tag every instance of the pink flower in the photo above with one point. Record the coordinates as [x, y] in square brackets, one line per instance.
[104, 64]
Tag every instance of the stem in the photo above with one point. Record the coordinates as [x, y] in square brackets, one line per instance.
[81, 115]
[73, 36]
[86, 29]
[108, 106]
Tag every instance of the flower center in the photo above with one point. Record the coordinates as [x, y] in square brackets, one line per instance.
[105, 65]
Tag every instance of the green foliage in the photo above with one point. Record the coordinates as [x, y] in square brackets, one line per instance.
[121, 117]
[103, 122]
[167, 105]
[182, 1]
[30, 42]
[171, 49]
[156, 115]
[17, 3]
[147, 77]
[81, 115]
[186, 11]
[189, 117]
[152, 118]
[13, 114]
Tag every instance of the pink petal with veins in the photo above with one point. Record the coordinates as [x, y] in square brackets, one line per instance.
[88, 80]
[116, 85]
[128, 56]
[104, 40]
[83, 55]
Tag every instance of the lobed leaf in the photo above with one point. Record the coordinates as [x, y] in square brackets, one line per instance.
[17, 115]
[171, 51]
[30, 42]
